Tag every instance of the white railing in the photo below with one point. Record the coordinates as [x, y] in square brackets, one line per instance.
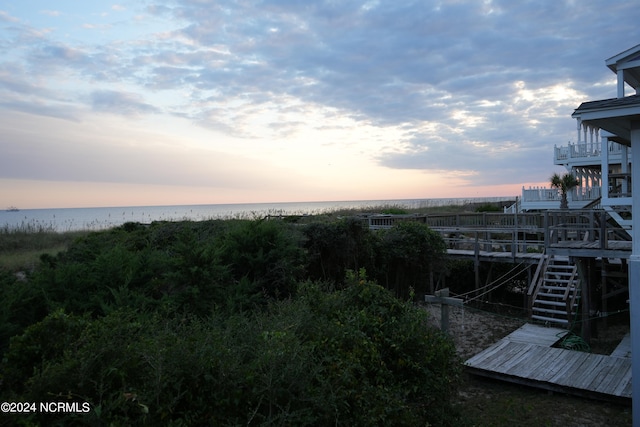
[577, 151]
[540, 194]
[585, 193]
[538, 198]
[584, 150]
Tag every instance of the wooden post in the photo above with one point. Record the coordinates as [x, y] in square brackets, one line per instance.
[603, 230]
[583, 274]
[476, 261]
[442, 297]
[431, 278]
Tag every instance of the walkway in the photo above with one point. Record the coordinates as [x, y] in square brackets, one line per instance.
[507, 257]
[486, 236]
[527, 357]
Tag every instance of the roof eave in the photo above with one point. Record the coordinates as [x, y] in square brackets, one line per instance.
[612, 62]
[616, 120]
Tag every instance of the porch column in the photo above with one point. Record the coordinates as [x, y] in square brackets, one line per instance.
[579, 128]
[621, 83]
[604, 186]
[624, 167]
[634, 272]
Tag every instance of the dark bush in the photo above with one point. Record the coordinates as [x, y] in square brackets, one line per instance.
[216, 323]
[409, 253]
[353, 357]
[266, 256]
[335, 247]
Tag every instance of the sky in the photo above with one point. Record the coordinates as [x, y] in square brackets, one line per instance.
[153, 102]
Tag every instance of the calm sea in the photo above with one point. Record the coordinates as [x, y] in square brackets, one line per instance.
[71, 219]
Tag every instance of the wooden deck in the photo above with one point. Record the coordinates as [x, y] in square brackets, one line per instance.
[574, 232]
[527, 357]
[507, 257]
[614, 249]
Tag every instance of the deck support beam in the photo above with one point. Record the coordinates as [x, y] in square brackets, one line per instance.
[584, 273]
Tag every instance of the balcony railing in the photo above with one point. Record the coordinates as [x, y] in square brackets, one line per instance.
[584, 151]
[578, 194]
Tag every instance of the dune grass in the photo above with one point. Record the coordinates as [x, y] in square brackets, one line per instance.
[21, 247]
[397, 209]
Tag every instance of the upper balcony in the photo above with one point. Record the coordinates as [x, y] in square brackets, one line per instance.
[585, 154]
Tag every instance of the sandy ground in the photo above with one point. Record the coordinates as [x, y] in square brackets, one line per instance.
[473, 330]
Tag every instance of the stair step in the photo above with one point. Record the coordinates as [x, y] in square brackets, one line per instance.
[550, 311]
[551, 280]
[547, 295]
[554, 299]
[559, 279]
[548, 302]
[550, 319]
[559, 273]
[557, 288]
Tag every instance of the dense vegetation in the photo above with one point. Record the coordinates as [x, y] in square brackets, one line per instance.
[232, 322]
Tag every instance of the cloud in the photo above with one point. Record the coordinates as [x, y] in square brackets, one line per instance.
[91, 153]
[482, 89]
[123, 103]
[97, 26]
[53, 13]
[6, 17]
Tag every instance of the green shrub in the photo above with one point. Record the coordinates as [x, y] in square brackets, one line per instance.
[409, 252]
[335, 247]
[21, 305]
[394, 210]
[489, 207]
[265, 254]
[213, 323]
[355, 357]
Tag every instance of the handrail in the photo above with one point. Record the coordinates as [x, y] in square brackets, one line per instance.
[584, 150]
[536, 276]
[516, 231]
[570, 301]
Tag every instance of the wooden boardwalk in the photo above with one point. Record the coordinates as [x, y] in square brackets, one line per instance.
[507, 257]
[527, 357]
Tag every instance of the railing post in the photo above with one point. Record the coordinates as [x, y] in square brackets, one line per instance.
[514, 242]
[547, 233]
[603, 230]
[477, 261]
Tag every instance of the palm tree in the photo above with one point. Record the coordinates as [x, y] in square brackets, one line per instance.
[564, 183]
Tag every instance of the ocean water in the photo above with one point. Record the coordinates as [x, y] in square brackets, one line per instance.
[71, 219]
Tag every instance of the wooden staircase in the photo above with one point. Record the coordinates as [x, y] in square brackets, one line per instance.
[554, 294]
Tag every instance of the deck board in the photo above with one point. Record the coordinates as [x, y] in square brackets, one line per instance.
[534, 334]
[526, 357]
[540, 363]
[624, 348]
[599, 376]
[592, 365]
[569, 364]
[488, 353]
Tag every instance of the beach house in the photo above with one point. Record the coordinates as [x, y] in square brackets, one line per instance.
[582, 263]
[606, 159]
[601, 156]
[618, 120]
